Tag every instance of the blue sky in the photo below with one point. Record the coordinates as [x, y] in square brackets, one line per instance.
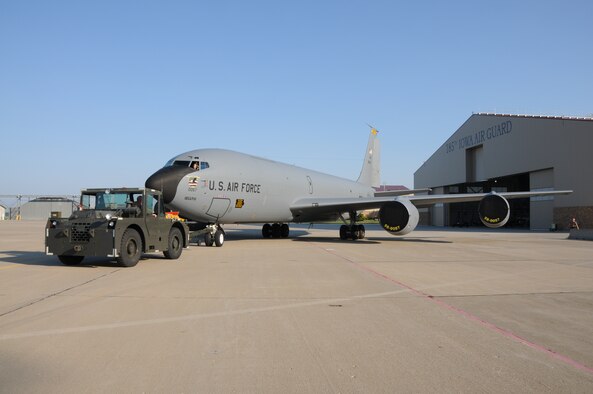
[103, 93]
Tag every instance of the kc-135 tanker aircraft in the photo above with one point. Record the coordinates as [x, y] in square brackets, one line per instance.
[217, 186]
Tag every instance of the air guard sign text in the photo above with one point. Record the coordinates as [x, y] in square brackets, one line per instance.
[479, 137]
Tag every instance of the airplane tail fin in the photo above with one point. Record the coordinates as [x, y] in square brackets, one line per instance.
[370, 174]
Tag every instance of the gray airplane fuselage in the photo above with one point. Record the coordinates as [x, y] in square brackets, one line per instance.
[240, 188]
[216, 186]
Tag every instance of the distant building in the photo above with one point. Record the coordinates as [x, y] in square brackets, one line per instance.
[497, 152]
[2, 212]
[42, 208]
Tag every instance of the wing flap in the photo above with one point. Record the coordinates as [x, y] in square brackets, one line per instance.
[320, 209]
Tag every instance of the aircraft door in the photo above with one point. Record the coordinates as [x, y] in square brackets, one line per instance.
[158, 234]
[309, 184]
[218, 207]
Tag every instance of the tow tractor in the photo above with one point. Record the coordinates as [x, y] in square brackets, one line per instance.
[119, 223]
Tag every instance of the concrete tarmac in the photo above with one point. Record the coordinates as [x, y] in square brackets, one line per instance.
[435, 311]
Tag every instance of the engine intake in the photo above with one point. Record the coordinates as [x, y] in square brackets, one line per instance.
[398, 217]
[494, 210]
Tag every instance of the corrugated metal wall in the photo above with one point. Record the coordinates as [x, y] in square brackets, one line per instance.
[41, 210]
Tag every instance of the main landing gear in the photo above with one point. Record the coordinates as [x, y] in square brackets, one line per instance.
[275, 230]
[214, 235]
[352, 231]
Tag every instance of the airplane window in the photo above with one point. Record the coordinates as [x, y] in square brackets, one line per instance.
[196, 164]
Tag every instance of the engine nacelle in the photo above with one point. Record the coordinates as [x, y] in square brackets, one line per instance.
[398, 217]
[494, 210]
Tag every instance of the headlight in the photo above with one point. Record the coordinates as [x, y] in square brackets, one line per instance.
[53, 224]
[108, 216]
[111, 223]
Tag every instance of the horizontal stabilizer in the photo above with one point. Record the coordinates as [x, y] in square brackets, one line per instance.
[395, 193]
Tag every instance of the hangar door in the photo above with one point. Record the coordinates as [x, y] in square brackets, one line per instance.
[464, 214]
[474, 164]
[542, 208]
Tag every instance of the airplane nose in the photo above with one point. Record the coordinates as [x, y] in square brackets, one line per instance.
[166, 180]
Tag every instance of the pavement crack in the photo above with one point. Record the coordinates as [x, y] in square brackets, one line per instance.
[57, 293]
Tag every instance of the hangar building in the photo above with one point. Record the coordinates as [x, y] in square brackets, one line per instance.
[42, 208]
[499, 152]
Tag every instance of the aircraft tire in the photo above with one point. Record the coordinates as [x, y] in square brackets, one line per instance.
[343, 232]
[175, 244]
[219, 238]
[284, 230]
[276, 230]
[266, 231]
[71, 260]
[208, 239]
[362, 233]
[131, 248]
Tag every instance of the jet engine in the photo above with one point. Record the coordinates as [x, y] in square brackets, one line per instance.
[398, 217]
[494, 210]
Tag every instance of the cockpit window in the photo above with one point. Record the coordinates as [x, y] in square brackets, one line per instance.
[195, 164]
[199, 165]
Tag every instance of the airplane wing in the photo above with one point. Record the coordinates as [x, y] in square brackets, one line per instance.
[321, 209]
[428, 200]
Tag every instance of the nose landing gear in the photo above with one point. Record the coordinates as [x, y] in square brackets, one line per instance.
[214, 236]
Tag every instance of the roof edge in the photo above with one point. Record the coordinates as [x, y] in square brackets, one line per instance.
[560, 117]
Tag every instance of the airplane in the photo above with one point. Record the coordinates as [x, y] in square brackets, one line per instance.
[214, 187]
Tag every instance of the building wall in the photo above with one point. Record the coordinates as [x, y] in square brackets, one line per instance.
[41, 210]
[541, 208]
[555, 151]
[2, 212]
[438, 211]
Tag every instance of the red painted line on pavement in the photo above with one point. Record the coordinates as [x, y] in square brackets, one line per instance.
[470, 316]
